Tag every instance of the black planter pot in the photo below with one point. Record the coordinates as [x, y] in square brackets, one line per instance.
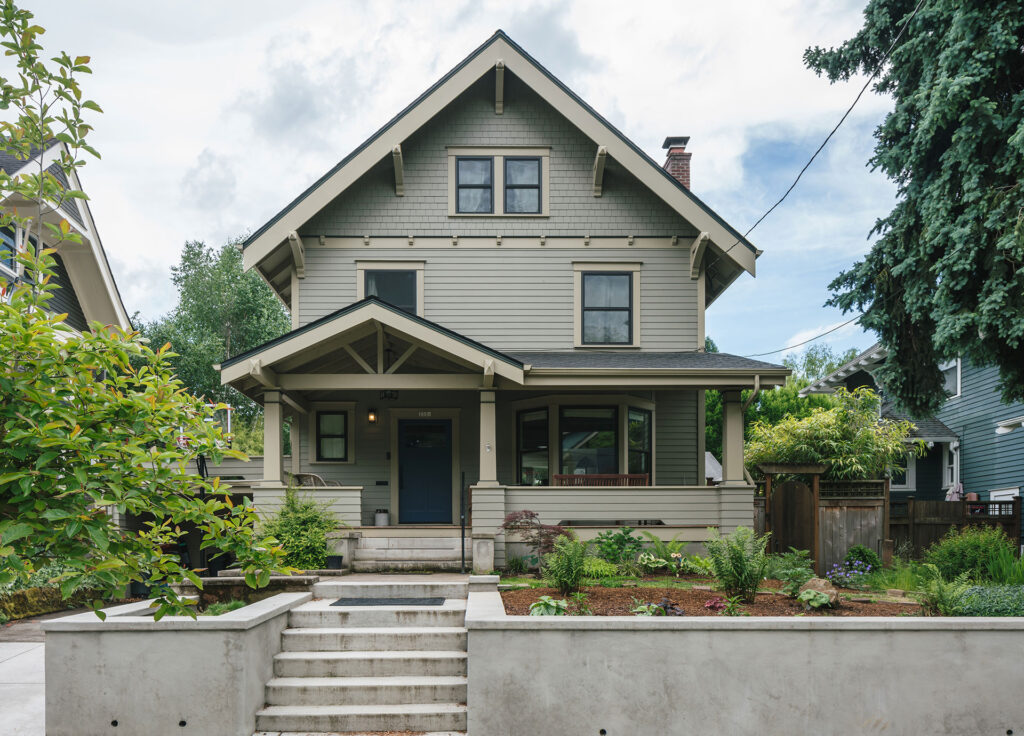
[334, 562]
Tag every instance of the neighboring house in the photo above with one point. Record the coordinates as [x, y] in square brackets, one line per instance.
[87, 290]
[499, 291]
[975, 439]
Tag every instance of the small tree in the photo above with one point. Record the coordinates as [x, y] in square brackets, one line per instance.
[851, 438]
[96, 423]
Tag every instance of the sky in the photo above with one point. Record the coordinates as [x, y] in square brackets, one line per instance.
[217, 114]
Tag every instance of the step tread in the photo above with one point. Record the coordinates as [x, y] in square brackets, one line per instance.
[398, 631]
[354, 682]
[371, 654]
[352, 733]
[372, 710]
[325, 604]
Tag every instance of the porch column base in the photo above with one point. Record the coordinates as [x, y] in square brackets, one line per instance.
[344, 543]
[735, 506]
[483, 553]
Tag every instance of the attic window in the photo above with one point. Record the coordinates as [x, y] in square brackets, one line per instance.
[522, 185]
[474, 185]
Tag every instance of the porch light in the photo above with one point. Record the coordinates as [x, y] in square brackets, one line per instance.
[371, 416]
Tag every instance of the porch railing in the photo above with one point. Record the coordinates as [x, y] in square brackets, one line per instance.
[602, 479]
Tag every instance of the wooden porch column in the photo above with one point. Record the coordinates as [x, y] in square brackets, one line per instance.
[273, 439]
[732, 438]
[488, 441]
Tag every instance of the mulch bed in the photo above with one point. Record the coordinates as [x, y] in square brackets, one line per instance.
[619, 601]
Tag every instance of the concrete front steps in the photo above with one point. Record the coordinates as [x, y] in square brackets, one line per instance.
[375, 554]
[359, 669]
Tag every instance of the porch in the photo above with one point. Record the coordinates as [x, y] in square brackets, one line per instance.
[399, 415]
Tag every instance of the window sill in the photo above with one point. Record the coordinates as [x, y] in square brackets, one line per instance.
[537, 215]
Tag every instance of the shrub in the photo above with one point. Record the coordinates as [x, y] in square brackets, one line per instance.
[1005, 568]
[516, 565]
[594, 568]
[792, 568]
[540, 538]
[864, 555]
[969, 550]
[301, 528]
[619, 546]
[939, 596]
[563, 568]
[548, 606]
[738, 561]
[991, 600]
[216, 609]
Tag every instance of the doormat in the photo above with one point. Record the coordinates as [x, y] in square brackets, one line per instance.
[389, 602]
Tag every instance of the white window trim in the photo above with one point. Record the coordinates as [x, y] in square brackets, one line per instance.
[498, 178]
[947, 365]
[1008, 425]
[579, 268]
[363, 266]
[1004, 494]
[911, 479]
[349, 408]
[953, 447]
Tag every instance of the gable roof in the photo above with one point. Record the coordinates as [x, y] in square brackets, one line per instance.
[86, 264]
[371, 309]
[499, 47]
[867, 360]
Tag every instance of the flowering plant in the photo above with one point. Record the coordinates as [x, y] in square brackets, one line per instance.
[852, 574]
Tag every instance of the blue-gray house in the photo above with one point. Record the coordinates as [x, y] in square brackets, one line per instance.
[975, 441]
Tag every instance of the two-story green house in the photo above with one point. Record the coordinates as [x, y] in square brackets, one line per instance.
[499, 293]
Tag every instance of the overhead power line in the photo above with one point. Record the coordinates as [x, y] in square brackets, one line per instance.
[820, 148]
[811, 339]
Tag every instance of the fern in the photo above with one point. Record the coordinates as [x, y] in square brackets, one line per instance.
[738, 561]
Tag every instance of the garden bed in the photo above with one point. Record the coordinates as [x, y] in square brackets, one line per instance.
[620, 602]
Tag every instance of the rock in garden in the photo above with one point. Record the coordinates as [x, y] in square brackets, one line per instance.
[824, 586]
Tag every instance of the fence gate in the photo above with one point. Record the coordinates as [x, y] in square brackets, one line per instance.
[792, 516]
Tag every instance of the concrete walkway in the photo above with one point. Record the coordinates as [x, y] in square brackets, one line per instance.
[22, 688]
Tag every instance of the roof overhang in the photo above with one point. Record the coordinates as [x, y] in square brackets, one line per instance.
[339, 329]
[866, 361]
[725, 241]
[717, 378]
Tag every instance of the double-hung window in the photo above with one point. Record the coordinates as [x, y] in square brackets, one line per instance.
[607, 308]
[951, 377]
[522, 185]
[474, 185]
[332, 436]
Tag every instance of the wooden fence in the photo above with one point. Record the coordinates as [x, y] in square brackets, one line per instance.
[919, 524]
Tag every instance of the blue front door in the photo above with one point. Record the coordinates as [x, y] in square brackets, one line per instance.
[424, 471]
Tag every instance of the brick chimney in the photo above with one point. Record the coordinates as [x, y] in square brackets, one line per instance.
[677, 162]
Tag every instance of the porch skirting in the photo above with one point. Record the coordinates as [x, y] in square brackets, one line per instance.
[684, 512]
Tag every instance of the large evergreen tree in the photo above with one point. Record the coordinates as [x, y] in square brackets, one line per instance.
[946, 275]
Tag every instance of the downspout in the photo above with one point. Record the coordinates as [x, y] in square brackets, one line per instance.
[746, 405]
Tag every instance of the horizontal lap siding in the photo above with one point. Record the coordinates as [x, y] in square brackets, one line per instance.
[514, 299]
[987, 461]
[670, 505]
[675, 438]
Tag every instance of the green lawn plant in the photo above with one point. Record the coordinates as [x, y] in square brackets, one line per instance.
[792, 569]
[301, 527]
[516, 565]
[596, 569]
[619, 546]
[564, 567]
[969, 550]
[991, 600]
[1005, 568]
[941, 596]
[548, 606]
[738, 561]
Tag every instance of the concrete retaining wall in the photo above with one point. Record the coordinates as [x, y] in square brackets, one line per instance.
[627, 675]
[171, 677]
